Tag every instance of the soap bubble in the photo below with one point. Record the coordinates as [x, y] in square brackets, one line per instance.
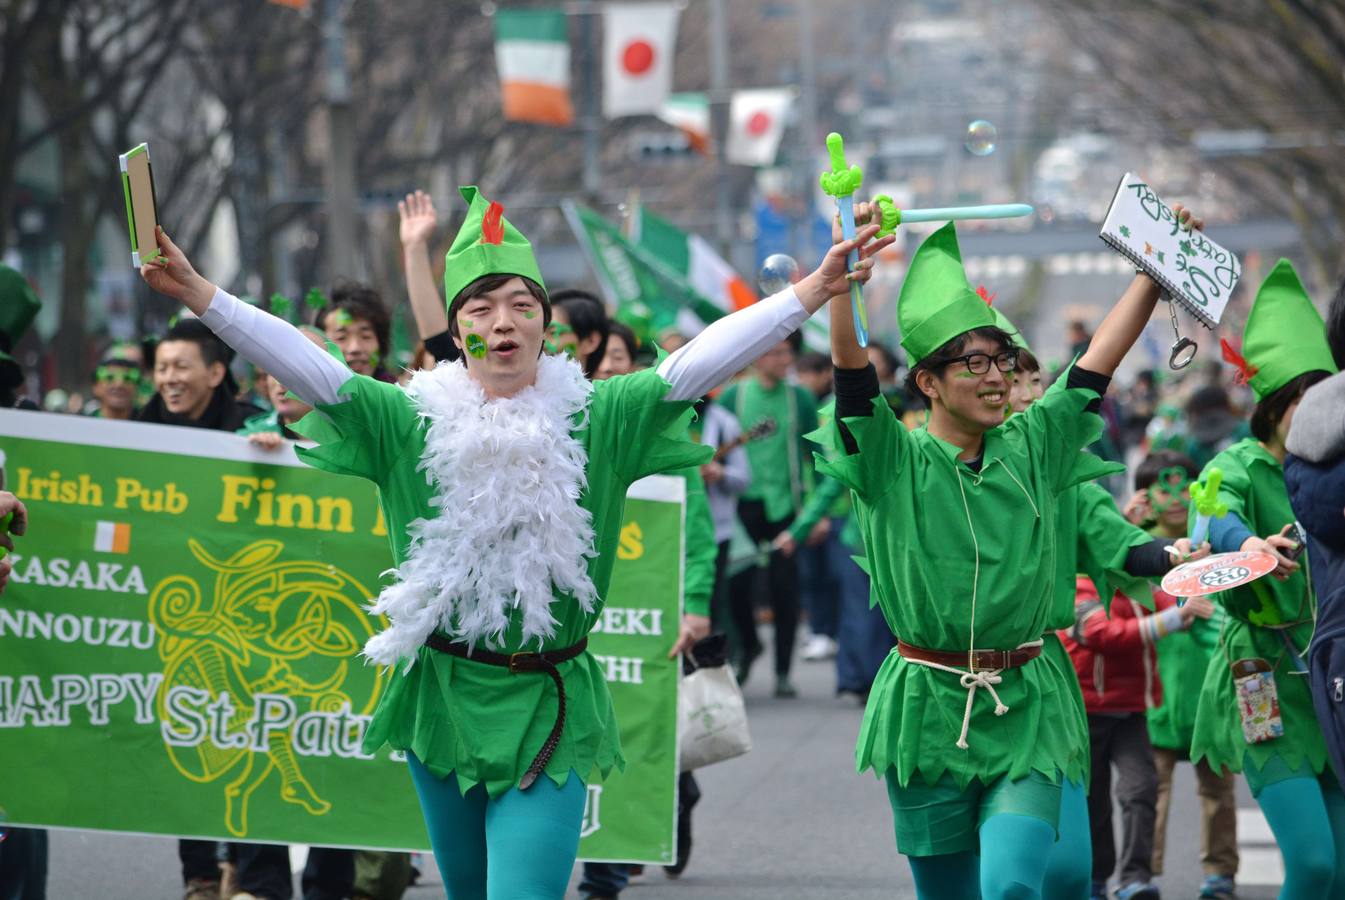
[981, 137]
[778, 272]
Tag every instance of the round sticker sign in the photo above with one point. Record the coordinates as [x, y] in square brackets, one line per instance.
[1220, 572]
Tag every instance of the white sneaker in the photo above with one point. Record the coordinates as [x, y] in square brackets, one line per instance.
[818, 647]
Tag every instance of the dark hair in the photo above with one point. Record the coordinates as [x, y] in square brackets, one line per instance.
[360, 301]
[487, 283]
[1335, 326]
[1146, 474]
[1211, 398]
[950, 351]
[796, 342]
[625, 334]
[1271, 408]
[587, 317]
[1027, 360]
[889, 358]
[213, 350]
[814, 362]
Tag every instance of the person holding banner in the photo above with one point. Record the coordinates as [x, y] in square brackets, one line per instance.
[502, 481]
[1259, 660]
[960, 521]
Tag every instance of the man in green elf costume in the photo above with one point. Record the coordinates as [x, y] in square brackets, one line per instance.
[502, 481]
[1259, 658]
[970, 724]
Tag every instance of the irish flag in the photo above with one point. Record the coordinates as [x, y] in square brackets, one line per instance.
[112, 537]
[532, 53]
[692, 257]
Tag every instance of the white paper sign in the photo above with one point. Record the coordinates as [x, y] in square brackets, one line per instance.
[1191, 268]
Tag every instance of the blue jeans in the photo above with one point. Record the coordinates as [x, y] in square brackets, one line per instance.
[605, 878]
[818, 585]
[863, 639]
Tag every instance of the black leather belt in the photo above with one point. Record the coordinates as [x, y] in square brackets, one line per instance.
[545, 662]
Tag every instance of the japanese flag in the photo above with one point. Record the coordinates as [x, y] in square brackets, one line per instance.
[756, 124]
[638, 43]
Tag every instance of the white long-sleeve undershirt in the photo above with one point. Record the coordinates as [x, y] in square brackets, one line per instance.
[711, 358]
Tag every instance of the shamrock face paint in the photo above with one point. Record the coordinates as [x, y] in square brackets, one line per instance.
[476, 346]
[342, 319]
[530, 314]
[560, 337]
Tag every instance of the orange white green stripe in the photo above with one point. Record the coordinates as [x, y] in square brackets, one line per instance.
[112, 537]
[692, 257]
[532, 53]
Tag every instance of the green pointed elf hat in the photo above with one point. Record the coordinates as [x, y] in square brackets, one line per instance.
[18, 308]
[1284, 337]
[937, 303]
[487, 244]
[1002, 321]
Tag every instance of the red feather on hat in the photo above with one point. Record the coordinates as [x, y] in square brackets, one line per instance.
[985, 295]
[492, 229]
[1246, 371]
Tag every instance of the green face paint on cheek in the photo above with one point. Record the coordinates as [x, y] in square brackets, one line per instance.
[476, 346]
[466, 323]
[374, 359]
[965, 375]
[530, 314]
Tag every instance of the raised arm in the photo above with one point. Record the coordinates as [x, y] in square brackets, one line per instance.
[845, 350]
[418, 221]
[259, 337]
[728, 346]
[1122, 326]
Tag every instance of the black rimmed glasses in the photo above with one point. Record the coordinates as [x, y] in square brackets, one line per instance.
[979, 363]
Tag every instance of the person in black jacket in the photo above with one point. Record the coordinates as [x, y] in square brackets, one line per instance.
[192, 383]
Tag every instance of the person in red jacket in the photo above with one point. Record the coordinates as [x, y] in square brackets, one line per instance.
[1114, 657]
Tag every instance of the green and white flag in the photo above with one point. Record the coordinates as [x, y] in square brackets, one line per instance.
[691, 256]
[646, 292]
[180, 638]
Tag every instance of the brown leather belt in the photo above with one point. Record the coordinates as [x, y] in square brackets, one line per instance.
[522, 662]
[981, 660]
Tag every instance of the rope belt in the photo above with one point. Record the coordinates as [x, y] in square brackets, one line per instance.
[522, 662]
[976, 668]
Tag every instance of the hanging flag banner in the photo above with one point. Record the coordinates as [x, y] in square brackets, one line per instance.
[645, 292]
[689, 113]
[637, 57]
[756, 125]
[181, 631]
[691, 256]
[532, 53]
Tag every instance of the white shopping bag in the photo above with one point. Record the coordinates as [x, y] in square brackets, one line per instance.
[714, 719]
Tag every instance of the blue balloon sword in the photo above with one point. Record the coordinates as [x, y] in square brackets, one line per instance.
[892, 217]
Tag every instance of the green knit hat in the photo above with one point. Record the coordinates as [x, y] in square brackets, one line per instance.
[937, 303]
[1284, 337]
[487, 244]
[18, 308]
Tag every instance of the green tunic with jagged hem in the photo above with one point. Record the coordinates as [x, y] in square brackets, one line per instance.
[1253, 488]
[481, 722]
[940, 536]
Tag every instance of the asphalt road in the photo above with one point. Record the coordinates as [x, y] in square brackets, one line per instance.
[789, 820]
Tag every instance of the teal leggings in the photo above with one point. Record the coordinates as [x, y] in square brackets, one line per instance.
[520, 845]
[1011, 866]
[1069, 868]
[1308, 821]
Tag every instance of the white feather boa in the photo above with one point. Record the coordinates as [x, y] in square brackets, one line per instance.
[507, 476]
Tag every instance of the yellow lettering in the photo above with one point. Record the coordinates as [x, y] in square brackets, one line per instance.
[238, 491]
[25, 491]
[127, 490]
[174, 502]
[342, 509]
[266, 503]
[381, 524]
[288, 503]
[632, 542]
[90, 494]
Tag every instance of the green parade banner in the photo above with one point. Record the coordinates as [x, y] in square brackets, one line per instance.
[179, 647]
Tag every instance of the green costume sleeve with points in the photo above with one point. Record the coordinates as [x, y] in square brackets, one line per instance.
[1105, 540]
[1260, 616]
[483, 723]
[951, 550]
